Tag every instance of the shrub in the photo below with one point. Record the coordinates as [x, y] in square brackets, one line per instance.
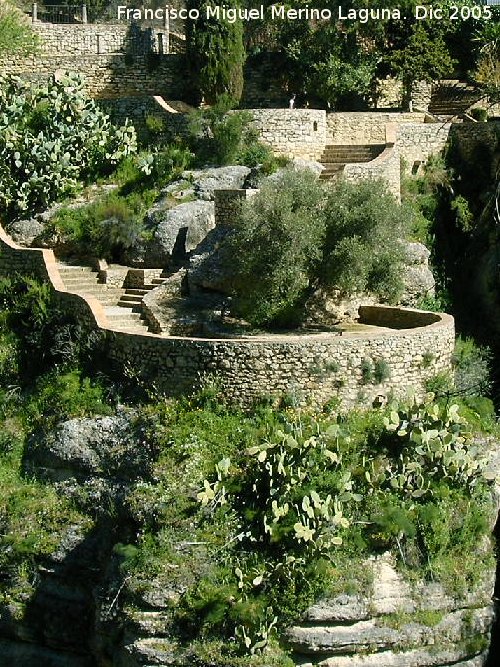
[51, 137]
[472, 368]
[296, 235]
[362, 249]
[16, 35]
[276, 245]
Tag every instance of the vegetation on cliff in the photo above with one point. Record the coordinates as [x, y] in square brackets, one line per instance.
[245, 518]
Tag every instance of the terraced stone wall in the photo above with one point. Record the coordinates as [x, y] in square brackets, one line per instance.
[416, 142]
[292, 132]
[312, 367]
[116, 60]
[346, 128]
[386, 166]
[316, 368]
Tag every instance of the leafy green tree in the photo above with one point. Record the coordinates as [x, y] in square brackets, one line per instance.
[215, 54]
[424, 58]
[297, 235]
[275, 247]
[362, 250]
[16, 35]
[487, 73]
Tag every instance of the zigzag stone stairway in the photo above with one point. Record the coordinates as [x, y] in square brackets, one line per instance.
[334, 158]
[123, 307]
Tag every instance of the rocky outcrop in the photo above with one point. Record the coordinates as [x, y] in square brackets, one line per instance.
[201, 183]
[396, 625]
[417, 276]
[178, 230]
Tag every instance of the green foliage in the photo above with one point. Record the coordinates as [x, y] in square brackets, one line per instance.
[51, 137]
[374, 371]
[481, 115]
[328, 66]
[464, 216]
[472, 368]
[215, 54]
[16, 35]
[277, 243]
[58, 396]
[362, 250]
[297, 234]
[220, 138]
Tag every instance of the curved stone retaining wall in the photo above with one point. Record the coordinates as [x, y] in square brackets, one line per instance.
[354, 367]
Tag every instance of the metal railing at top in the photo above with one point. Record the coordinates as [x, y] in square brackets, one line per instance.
[59, 13]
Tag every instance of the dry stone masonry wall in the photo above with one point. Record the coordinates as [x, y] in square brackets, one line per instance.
[116, 60]
[311, 368]
[292, 132]
[345, 128]
[386, 166]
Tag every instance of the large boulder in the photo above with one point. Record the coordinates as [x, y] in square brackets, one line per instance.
[25, 232]
[201, 183]
[84, 449]
[210, 265]
[205, 181]
[178, 230]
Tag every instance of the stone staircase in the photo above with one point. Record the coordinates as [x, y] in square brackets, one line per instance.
[122, 307]
[334, 158]
[452, 98]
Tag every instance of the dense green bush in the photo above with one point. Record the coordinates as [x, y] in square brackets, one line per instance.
[276, 247]
[16, 35]
[220, 138]
[297, 235]
[52, 137]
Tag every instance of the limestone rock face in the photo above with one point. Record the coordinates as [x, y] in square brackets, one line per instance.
[209, 265]
[417, 276]
[82, 449]
[327, 307]
[24, 232]
[178, 230]
[388, 627]
[201, 183]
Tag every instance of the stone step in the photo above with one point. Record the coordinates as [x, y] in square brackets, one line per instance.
[158, 281]
[133, 307]
[80, 281]
[131, 298]
[139, 291]
[71, 268]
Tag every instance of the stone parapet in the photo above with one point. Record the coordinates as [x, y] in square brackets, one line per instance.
[292, 132]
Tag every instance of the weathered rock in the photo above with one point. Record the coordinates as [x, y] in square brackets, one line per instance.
[386, 626]
[328, 306]
[83, 449]
[25, 232]
[417, 276]
[431, 657]
[205, 181]
[210, 265]
[178, 230]
[373, 635]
